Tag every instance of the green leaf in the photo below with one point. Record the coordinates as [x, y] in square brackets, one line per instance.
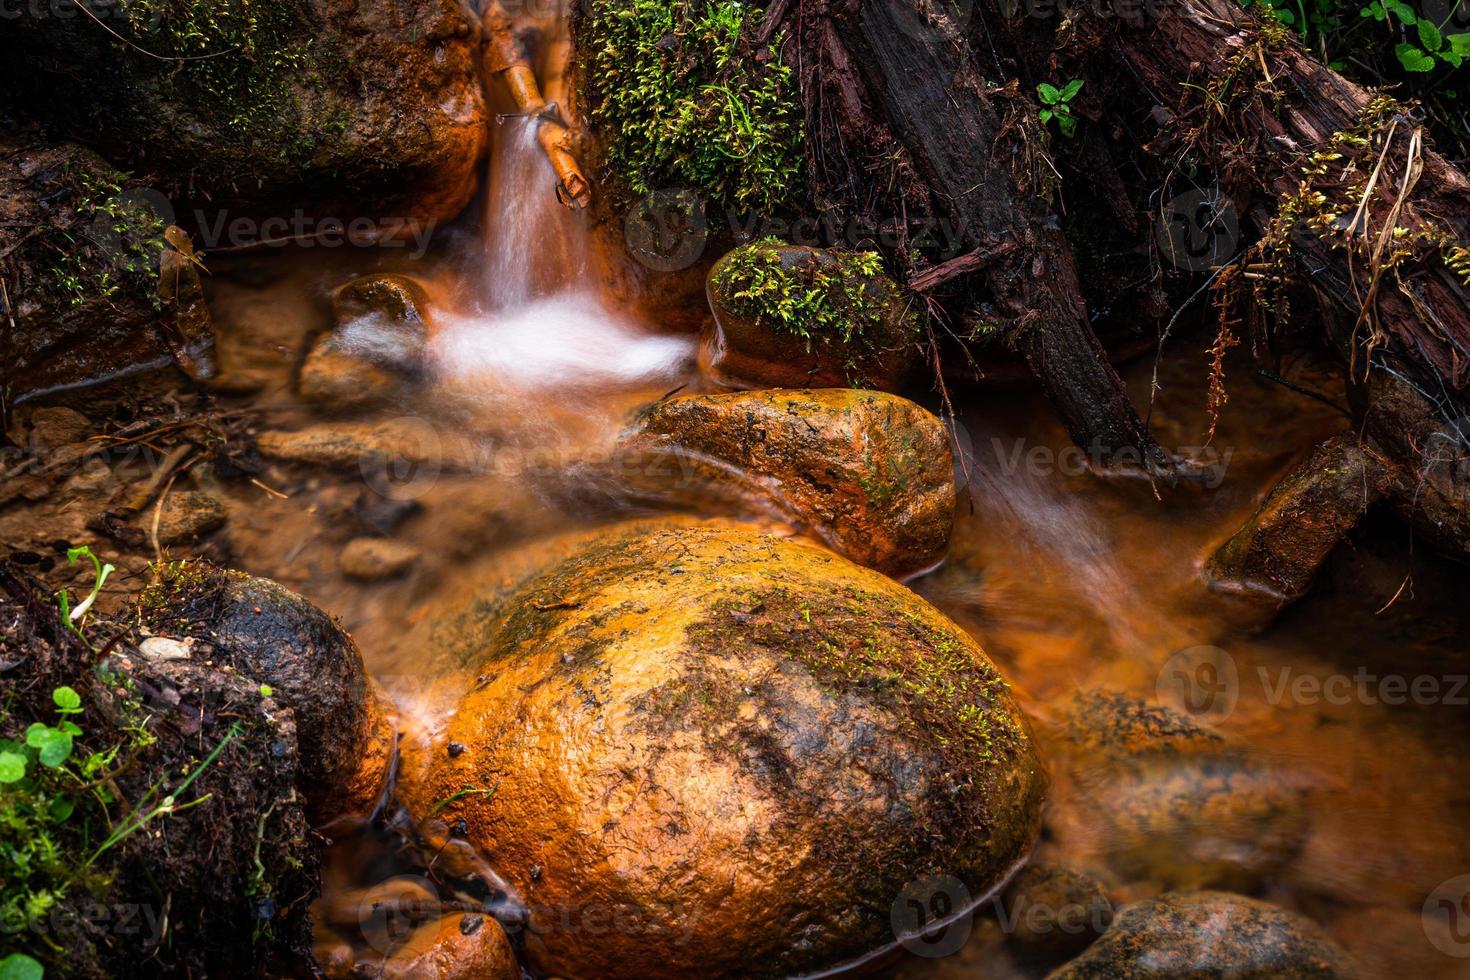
[53, 745]
[1067, 124]
[67, 699]
[1459, 44]
[1286, 16]
[12, 767]
[1050, 94]
[1413, 59]
[1401, 10]
[1045, 116]
[1072, 88]
[1429, 36]
[266, 690]
[60, 809]
[19, 966]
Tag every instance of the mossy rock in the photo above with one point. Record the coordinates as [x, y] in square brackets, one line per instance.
[359, 109]
[794, 316]
[86, 260]
[870, 474]
[680, 96]
[738, 748]
[181, 845]
[1204, 935]
[269, 633]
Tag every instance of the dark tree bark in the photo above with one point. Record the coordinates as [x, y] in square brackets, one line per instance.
[918, 132]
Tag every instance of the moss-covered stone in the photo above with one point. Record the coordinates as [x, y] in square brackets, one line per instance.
[680, 96]
[267, 106]
[86, 247]
[742, 746]
[868, 473]
[796, 316]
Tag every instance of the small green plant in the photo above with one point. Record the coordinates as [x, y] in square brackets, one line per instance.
[1057, 105]
[837, 299]
[1426, 47]
[680, 98]
[19, 966]
[75, 619]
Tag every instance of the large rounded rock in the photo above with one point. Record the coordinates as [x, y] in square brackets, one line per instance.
[702, 749]
[364, 110]
[302, 659]
[794, 316]
[1208, 936]
[870, 474]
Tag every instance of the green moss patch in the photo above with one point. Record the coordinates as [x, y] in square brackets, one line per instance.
[680, 96]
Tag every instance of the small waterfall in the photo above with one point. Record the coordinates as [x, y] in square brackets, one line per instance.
[534, 247]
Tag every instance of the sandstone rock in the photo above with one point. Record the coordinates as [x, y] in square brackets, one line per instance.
[374, 354]
[1176, 805]
[279, 639]
[371, 559]
[1277, 552]
[52, 428]
[454, 947]
[855, 331]
[702, 749]
[1208, 936]
[187, 515]
[871, 474]
[354, 445]
[366, 110]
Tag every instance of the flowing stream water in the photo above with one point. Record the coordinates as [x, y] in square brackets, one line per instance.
[1068, 581]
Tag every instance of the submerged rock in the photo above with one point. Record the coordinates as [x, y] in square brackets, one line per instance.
[1053, 911]
[52, 428]
[301, 658]
[794, 316]
[696, 748]
[374, 355]
[187, 515]
[1168, 802]
[1276, 553]
[1206, 935]
[371, 559]
[871, 474]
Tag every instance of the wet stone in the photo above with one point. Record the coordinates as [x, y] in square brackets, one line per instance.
[1209, 936]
